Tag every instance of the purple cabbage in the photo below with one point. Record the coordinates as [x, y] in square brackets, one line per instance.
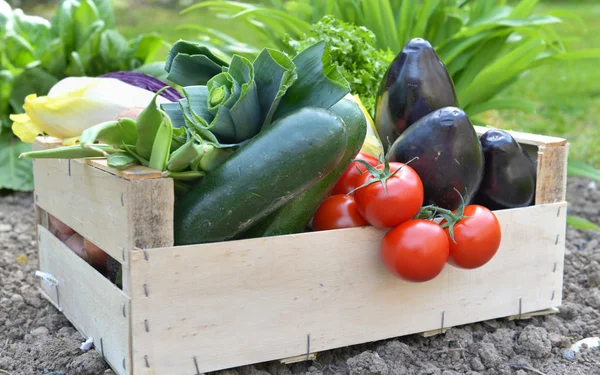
[146, 81]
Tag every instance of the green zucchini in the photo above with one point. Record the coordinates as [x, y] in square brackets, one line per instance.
[283, 160]
[296, 214]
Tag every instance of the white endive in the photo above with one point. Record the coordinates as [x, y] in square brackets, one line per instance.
[75, 104]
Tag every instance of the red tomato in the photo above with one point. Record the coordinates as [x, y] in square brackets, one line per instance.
[416, 250]
[477, 238]
[401, 202]
[338, 211]
[351, 177]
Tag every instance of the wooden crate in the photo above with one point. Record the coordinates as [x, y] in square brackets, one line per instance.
[194, 309]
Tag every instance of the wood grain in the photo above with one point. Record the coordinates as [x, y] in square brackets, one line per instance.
[551, 185]
[115, 213]
[242, 302]
[96, 308]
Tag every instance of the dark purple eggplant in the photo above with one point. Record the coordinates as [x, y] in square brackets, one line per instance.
[449, 156]
[509, 174]
[416, 84]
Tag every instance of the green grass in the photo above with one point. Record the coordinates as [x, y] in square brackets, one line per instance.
[566, 94]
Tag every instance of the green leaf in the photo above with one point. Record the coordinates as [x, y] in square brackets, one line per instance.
[53, 57]
[274, 74]
[524, 8]
[145, 48]
[487, 83]
[405, 22]
[85, 17]
[18, 50]
[190, 64]
[63, 24]
[105, 12]
[31, 81]
[88, 52]
[113, 48]
[5, 15]
[245, 113]
[15, 173]
[36, 30]
[581, 223]
[519, 104]
[173, 110]
[319, 82]
[581, 169]
[75, 67]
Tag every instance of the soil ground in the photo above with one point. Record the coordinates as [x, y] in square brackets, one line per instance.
[35, 339]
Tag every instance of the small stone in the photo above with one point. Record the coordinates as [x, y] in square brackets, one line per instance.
[109, 372]
[489, 355]
[58, 373]
[477, 365]
[535, 342]
[16, 298]
[569, 355]
[40, 331]
[65, 332]
[520, 372]
[5, 227]
[367, 363]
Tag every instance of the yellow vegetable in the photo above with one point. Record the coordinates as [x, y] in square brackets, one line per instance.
[372, 144]
[75, 104]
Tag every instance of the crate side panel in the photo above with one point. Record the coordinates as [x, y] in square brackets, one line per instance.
[92, 304]
[90, 201]
[242, 302]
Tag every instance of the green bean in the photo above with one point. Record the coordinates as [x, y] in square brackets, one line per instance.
[180, 159]
[214, 157]
[111, 132]
[122, 160]
[132, 151]
[184, 176]
[162, 145]
[70, 152]
[148, 125]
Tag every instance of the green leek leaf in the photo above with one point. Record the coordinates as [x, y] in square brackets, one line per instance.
[191, 64]
[319, 83]
[274, 74]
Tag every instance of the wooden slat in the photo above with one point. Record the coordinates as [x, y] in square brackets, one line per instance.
[551, 185]
[90, 201]
[242, 302]
[114, 213]
[96, 308]
[527, 138]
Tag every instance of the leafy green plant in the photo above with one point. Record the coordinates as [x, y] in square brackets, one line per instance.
[485, 44]
[351, 49]
[81, 40]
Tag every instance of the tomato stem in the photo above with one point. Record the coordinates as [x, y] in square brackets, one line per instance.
[450, 219]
